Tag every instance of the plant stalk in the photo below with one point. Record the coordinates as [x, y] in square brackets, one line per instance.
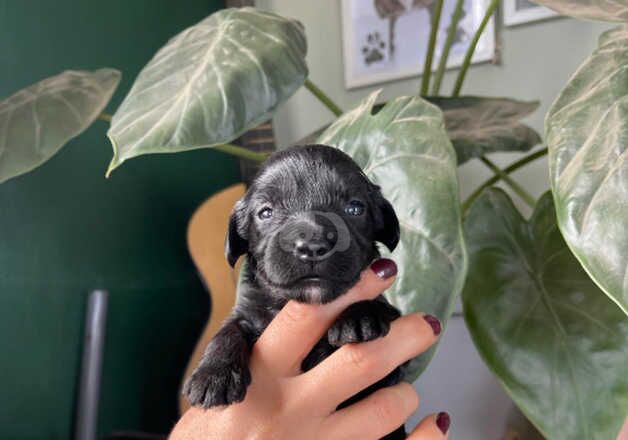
[451, 35]
[474, 42]
[525, 196]
[105, 117]
[241, 152]
[323, 98]
[496, 178]
[431, 47]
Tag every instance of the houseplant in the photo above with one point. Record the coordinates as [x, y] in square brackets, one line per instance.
[544, 299]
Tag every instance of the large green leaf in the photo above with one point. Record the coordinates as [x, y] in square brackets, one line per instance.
[604, 10]
[210, 83]
[40, 119]
[587, 137]
[404, 148]
[557, 344]
[478, 125]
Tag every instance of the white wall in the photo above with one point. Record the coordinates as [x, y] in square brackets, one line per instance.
[536, 61]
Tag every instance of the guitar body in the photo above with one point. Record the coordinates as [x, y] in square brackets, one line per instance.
[205, 239]
[206, 234]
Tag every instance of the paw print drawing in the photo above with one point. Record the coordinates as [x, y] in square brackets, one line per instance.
[373, 49]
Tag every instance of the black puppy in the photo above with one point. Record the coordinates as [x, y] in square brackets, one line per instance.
[308, 224]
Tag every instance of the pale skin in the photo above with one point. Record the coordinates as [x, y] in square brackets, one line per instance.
[284, 403]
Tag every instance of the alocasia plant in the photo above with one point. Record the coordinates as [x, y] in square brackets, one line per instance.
[556, 342]
[192, 94]
[38, 120]
[587, 137]
[405, 150]
[558, 334]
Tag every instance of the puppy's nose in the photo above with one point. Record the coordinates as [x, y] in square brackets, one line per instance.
[306, 250]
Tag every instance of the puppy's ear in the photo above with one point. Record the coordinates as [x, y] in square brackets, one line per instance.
[386, 223]
[235, 243]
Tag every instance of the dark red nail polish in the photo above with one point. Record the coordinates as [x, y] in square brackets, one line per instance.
[384, 268]
[435, 324]
[442, 421]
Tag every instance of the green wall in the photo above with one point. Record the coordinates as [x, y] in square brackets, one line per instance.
[64, 230]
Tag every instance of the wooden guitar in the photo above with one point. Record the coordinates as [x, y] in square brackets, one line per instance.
[206, 238]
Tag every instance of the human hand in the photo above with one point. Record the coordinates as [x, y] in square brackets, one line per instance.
[284, 403]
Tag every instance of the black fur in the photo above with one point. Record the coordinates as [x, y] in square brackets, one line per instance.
[302, 252]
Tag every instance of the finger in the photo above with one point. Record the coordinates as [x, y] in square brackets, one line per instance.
[298, 326]
[376, 415]
[432, 427]
[365, 363]
[191, 426]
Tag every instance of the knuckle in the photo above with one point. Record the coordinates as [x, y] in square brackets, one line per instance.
[296, 393]
[360, 359]
[410, 396]
[417, 330]
[413, 333]
[417, 325]
[387, 407]
[358, 292]
[295, 312]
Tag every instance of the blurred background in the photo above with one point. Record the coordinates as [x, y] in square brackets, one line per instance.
[65, 229]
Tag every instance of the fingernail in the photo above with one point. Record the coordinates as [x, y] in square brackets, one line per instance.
[384, 268]
[436, 327]
[442, 421]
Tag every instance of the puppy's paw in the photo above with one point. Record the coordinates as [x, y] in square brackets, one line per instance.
[361, 322]
[217, 383]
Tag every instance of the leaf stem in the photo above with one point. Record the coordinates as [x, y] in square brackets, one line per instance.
[105, 117]
[474, 42]
[525, 196]
[509, 169]
[431, 46]
[241, 152]
[323, 98]
[451, 35]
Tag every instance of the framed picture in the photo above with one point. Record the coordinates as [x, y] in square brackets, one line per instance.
[524, 11]
[384, 40]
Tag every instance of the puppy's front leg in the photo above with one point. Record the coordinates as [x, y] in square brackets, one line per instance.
[363, 321]
[223, 375]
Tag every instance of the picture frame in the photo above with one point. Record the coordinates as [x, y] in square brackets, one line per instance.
[518, 12]
[370, 26]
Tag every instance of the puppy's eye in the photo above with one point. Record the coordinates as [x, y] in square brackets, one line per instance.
[355, 207]
[265, 213]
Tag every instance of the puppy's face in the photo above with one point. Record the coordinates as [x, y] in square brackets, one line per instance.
[309, 222]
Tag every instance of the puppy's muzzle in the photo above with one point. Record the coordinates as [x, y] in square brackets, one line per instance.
[314, 236]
